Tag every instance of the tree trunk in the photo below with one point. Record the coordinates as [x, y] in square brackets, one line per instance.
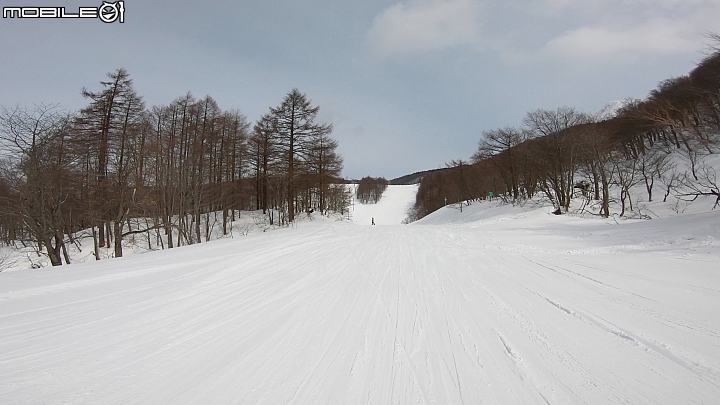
[117, 228]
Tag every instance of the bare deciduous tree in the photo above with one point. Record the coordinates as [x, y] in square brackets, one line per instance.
[39, 175]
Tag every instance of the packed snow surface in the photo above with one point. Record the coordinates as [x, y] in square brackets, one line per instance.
[494, 305]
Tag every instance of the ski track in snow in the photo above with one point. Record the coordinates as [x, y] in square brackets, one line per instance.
[346, 314]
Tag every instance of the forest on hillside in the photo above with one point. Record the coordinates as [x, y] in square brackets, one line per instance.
[370, 189]
[117, 168]
[563, 154]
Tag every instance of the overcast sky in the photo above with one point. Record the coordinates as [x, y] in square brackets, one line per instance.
[408, 85]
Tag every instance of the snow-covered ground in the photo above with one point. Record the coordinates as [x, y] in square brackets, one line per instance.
[19, 257]
[494, 305]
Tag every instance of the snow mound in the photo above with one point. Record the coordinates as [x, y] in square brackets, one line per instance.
[476, 211]
[694, 232]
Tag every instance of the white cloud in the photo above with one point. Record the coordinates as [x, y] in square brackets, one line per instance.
[658, 37]
[614, 4]
[521, 31]
[421, 27]
[657, 28]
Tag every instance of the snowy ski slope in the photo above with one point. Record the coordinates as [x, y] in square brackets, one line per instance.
[495, 305]
[392, 208]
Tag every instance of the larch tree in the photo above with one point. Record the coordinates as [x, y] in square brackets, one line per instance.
[109, 125]
[325, 166]
[263, 146]
[295, 125]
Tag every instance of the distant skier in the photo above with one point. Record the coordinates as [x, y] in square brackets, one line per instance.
[373, 220]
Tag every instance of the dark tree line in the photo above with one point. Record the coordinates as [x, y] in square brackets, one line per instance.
[563, 154]
[117, 168]
[370, 189]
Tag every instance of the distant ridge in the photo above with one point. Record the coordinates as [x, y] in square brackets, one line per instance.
[409, 179]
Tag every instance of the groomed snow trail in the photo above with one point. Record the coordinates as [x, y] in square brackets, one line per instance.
[345, 314]
[392, 208]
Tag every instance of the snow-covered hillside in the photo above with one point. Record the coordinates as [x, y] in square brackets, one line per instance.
[495, 305]
[611, 109]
